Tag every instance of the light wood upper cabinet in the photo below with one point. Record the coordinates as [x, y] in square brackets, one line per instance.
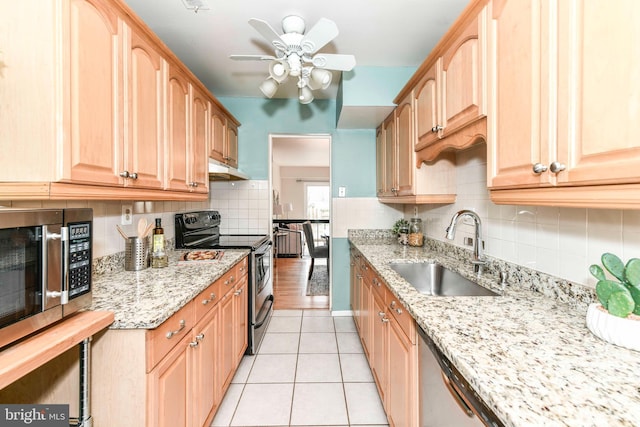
[218, 128]
[112, 116]
[198, 176]
[450, 94]
[93, 151]
[426, 105]
[562, 130]
[178, 130]
[231, 157]
[144, 144]
[403, 177]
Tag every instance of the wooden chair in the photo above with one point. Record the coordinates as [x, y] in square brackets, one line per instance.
[321, 251]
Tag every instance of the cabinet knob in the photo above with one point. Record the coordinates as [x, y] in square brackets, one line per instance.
[238, 292]
[538, 168]
[124, 174]
[436, 128]
[193, 184]
[177, 331]
[384, 320]
[134, 175]
[556, 167]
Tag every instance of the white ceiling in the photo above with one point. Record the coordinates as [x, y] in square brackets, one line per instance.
[292, 150]
[380, 33]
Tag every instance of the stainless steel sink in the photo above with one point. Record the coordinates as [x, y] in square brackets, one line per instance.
[433, 279]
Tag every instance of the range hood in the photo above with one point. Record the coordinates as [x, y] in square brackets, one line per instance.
[221, 172]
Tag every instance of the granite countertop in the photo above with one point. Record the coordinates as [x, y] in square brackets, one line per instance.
[144, 299]
[528, 355]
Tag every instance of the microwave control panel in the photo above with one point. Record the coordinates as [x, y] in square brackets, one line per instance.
[79, 259]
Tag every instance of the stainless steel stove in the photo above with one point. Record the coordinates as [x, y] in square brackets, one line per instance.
[201, 230]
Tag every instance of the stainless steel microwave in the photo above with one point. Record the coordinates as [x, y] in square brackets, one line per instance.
[45, 268]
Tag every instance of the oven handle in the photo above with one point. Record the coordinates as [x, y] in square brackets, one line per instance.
[197, 242]
[266, 315]
[264, 248]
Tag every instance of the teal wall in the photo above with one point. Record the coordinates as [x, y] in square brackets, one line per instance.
[352, 158]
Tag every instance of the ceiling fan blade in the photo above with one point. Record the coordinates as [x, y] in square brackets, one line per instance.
[334, 61]
[252, 57]
[319, 35]
[268, 33]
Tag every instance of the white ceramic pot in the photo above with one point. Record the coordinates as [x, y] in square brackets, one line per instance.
[624, 332]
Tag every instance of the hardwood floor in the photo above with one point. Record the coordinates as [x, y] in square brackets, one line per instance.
[290, 285]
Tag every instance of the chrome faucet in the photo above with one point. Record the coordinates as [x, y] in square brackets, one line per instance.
[478, 258]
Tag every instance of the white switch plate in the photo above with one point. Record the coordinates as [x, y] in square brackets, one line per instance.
[342, 191]
[127, 215]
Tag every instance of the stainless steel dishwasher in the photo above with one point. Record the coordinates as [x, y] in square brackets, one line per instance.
[446, 399]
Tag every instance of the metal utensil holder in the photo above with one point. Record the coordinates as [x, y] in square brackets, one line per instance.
[136, 253]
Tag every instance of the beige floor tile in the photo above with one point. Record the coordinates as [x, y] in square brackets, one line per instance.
[318, 342]
[318, 368]
[264, 405]
[315, 403]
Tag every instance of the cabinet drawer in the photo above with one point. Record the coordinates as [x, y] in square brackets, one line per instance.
[243, 267]
[228, 280]
[207, 299]
[163, 338]
[402, 316]
[377, 284]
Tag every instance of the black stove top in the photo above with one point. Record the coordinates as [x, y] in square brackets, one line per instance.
[201, 230]
[241, 241]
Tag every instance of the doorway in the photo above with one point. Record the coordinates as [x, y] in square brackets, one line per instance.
[300, 184]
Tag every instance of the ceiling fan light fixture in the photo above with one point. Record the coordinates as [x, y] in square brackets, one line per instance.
[320, 79]
[269, 87]
[279, 70]
[305, 96]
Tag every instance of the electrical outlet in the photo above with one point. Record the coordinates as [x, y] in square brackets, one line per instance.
[415, 211]
[127, 215]
[342, 191]
[468, 241]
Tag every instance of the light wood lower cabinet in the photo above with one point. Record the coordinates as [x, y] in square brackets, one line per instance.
[389, 337]
[174, 375]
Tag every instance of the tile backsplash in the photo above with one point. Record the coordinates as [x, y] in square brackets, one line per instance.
[243, 206]
[562, 242]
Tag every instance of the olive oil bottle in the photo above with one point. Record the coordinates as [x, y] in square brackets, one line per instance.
[159, 256]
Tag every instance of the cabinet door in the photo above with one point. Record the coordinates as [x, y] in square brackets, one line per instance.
[381, 169]
[402, 387]
[178, 120]
[94, 154]
[231, 155]
[218, 135]
[366, 311]
[462, 78]
[405, 141]
[599, 92]
[198, 147]
[169, 396]
[227, 351]
[426, 106]
[144, 152]
[390, 156]
[379, 358]
[207, 389]
[241, 317]
[518, 132]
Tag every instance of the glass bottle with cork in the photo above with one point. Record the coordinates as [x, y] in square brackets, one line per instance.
[159, 257]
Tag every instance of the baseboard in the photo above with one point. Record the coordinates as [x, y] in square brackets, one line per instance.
[342, 313]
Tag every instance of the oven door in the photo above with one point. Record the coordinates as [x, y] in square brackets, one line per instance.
[261, 301]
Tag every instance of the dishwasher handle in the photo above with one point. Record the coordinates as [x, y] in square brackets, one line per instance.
[456, 396]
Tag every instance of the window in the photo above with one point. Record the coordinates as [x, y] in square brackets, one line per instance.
[317, 198]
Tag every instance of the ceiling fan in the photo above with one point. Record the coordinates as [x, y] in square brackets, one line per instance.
[296, 56]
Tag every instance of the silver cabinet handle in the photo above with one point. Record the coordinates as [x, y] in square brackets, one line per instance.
[195, 343]
[556, 167]
[210, 299]
[177, 331]
[436, 128]
[238, 292]
[124, 174]
[134, 175]
[384, 320]
[199, 337]
[381, 313]
[539, 168]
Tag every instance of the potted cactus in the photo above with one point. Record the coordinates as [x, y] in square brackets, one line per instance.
[617, 318]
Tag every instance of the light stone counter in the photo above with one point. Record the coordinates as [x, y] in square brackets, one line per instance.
[528, 354]
[144, 299]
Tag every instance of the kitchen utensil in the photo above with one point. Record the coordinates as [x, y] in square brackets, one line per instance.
[148, 230]
[142, 226]
[121, 231]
